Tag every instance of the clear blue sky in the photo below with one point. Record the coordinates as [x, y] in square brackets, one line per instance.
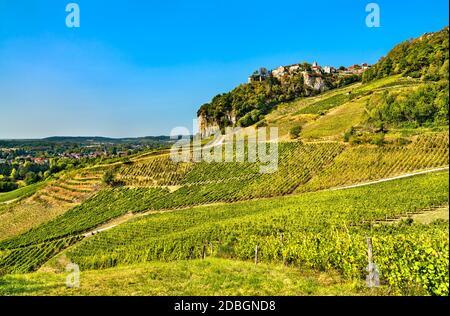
[137, 68]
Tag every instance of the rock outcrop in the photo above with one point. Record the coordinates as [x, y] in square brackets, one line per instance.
[206, 126]
[315, 81]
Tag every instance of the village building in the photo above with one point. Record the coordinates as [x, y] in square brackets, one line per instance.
[329, 70]
[40, 161]
[316, 71]
[259, 75]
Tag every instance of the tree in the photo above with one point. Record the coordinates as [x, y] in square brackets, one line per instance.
[108, 178]
[8, 186]
[295, 132]
[30, 178]
[14, 174]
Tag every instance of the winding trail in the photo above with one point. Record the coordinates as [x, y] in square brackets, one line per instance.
[406, 175]
[127, 217]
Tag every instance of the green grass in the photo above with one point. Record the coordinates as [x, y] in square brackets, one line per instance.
[305, 111]
[336, 122]
[324, 105]
[430, 216]
[21, 193]
[196, 277]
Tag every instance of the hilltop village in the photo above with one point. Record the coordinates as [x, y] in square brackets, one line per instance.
[248, 103]
[308, 71]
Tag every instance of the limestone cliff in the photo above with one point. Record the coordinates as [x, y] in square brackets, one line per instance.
[315, 81]
[206, 126]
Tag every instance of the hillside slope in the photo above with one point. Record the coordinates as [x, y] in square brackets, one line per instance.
[212, 276]
[390, 125]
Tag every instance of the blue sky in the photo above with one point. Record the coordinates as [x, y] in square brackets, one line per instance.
[137, 68]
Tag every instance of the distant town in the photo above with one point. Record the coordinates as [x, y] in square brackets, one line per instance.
[24, 162]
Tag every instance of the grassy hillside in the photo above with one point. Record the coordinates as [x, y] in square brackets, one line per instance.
[212, 276]
[9, 197]
[157, 183]
[290, 230]
[329, 115]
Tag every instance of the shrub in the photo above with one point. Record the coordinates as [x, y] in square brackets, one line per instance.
[295, 131]
[348, 133]
[108, 178]
[8, 186]
[262, 123]
[378, 139]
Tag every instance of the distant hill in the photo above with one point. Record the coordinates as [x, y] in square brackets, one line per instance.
[82, 140]
[98, 139]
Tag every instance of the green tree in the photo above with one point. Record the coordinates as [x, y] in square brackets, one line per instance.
[31, 178]
[108, 178]
[14, 174]
[295, 132]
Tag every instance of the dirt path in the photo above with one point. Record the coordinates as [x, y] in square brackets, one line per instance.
[125, 218]
[9, 202]
[407, 175]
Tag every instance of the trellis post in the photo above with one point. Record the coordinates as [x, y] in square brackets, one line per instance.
[204, 252]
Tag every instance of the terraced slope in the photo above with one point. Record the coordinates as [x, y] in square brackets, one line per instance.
[54, 199]
[189, 184]
[157, 183]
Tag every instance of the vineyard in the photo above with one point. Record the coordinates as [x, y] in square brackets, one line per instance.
[54, 199]
[54, 215]
[302, 168]
[289, 214]
[355, 201]
[188, 184]
[323, 230]
[22, 260]
[370, 162]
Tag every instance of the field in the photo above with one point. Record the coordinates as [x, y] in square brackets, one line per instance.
[21, 193]
[338, 221]
[365, 163]
[157, 183]
[336, 122]
[324, 230]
